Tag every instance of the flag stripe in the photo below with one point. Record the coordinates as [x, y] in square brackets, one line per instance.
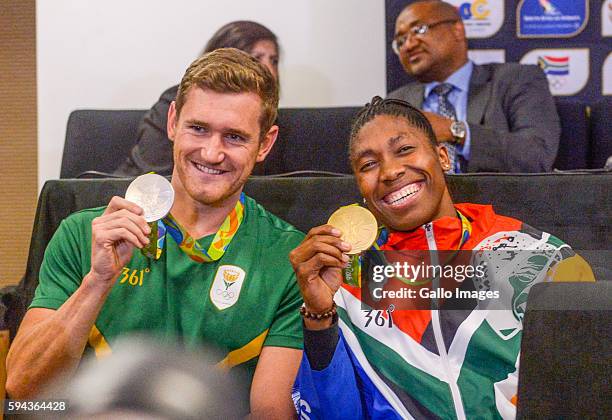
[433, 394]
[557, 59]
[401, 343]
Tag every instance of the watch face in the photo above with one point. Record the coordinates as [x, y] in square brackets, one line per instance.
[457, 128]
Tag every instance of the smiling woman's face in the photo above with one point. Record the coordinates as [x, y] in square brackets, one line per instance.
[399, 173]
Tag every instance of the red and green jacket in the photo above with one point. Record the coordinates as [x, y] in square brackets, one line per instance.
[439, 363]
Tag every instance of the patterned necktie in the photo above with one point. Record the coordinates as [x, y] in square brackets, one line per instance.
[446, 109]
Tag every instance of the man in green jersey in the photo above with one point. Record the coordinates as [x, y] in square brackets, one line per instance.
[222, 275]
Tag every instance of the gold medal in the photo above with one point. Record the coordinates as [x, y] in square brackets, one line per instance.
[358, 226]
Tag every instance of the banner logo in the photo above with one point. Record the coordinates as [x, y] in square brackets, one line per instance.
[551, 18]
[554, 66]
[606, 18]
[481, 18]
[549, 8]
[226, 286]
[487, 56]
[567, 69]
[606, 72]
[476, 10]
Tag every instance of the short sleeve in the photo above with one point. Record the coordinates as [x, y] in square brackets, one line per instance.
[62, 269]
[286, 327]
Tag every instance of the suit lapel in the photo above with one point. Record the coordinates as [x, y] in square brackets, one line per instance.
[478, 96]
[415, 95]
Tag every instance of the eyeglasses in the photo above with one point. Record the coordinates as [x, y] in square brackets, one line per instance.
[418, 31]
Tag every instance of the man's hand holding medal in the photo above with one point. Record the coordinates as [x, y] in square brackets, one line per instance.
[127, 223]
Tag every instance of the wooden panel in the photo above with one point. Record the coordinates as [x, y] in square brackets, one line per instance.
[18, 135]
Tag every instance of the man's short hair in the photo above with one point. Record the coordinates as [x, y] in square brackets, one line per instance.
[394, 108]
[445, 10]
[229, 70]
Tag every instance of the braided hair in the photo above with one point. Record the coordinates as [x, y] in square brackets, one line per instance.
[395, 108]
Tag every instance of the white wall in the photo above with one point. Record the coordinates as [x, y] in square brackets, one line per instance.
[124, 53]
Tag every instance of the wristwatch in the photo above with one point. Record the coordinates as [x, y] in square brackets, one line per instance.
[459, 131]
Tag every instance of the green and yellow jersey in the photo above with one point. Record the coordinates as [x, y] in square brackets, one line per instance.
[247, 299]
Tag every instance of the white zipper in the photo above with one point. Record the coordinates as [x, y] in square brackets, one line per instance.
[439, 338]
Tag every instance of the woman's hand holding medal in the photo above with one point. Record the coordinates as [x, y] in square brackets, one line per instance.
[318, 261]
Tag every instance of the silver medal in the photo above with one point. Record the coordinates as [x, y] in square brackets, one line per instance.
[153, 193]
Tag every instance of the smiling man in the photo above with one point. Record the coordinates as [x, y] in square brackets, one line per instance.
[492, 117]
[222, 278]
[421, 362]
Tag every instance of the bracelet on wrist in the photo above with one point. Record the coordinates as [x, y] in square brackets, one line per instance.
[318, 315]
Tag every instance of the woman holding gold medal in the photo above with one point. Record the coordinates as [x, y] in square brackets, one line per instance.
[365, 361]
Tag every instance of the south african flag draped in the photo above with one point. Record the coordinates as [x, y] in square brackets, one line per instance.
[438, 363]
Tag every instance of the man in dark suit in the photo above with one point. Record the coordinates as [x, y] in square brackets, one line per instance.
[493, 117]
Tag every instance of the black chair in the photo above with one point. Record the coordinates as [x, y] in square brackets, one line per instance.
[601, 132]
[539, 200]
[312, 139]
[98, 140]
[574, 144]
[565, 365]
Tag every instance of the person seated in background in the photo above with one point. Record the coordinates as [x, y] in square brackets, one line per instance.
[220, 125]
[153, 150]
[492, 117]
[459, 362]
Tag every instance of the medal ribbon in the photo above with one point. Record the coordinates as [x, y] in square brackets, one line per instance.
[352, 274]
[190, 246]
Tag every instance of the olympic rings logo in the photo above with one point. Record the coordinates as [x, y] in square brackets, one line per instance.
[225, 294]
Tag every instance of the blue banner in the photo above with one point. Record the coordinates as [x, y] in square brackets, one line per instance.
[551, 18]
